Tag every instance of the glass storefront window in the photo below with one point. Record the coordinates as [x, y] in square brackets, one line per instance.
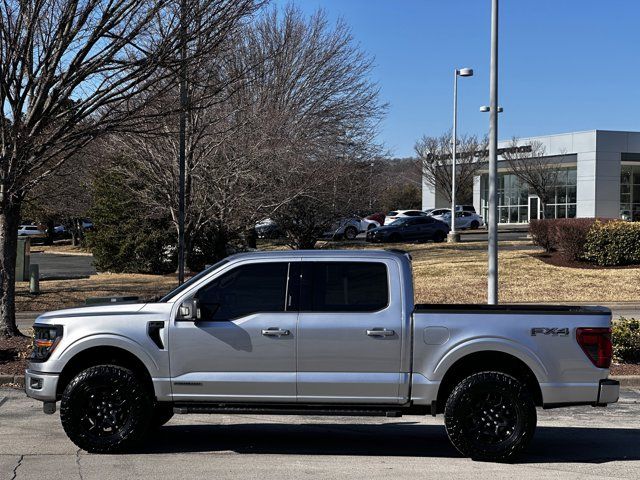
[513, 197]
[630, 192]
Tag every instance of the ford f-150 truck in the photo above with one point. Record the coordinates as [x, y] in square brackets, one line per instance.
[320, 333]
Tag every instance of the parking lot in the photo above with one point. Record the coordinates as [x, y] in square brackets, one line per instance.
[576, 443]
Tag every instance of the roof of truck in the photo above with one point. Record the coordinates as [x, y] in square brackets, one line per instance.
[391, 253]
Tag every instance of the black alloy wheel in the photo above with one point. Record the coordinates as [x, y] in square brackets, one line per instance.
[490, 416]
[474, 225]
[106, 409]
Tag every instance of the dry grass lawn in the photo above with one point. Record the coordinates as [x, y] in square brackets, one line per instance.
[443, 274]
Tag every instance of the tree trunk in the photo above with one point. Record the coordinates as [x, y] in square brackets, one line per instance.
[9, 223]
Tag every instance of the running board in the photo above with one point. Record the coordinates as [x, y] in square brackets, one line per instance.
[278, 410]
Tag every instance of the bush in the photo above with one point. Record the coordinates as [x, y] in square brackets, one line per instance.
[543, 234]
[570, 235]
[126, 239]
[613, 243]
[625, 335]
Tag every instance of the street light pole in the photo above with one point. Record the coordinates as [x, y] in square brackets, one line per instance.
[492, 279]
[182, 138]
[463, 72]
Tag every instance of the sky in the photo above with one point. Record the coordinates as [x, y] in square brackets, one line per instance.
[565, 65]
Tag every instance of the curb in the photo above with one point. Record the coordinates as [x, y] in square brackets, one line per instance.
[625, 380]
[12, 380]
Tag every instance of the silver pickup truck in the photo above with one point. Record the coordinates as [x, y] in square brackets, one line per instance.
[319, 333]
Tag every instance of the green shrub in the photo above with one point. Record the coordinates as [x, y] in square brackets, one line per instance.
[126, 238]
[613, 243]
[625, 334]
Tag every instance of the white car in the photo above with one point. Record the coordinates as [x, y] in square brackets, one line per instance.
[31, 231]
[464, 220]
[396, 214]
[350, 227]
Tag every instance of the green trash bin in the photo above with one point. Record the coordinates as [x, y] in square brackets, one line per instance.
[23, 259]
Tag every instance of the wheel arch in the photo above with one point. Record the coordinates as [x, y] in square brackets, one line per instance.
[488, 360]
[103, 355]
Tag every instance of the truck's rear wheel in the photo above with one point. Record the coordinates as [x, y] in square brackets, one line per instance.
[105, 409]
[490, 416]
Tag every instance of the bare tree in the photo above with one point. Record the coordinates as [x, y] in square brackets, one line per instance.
[532, 167]
[290, 106]
[72, 71]
[435, 156]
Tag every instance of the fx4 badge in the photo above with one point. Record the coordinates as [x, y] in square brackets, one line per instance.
[554, 332]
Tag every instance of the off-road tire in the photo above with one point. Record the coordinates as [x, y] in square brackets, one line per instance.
[350, 233]
[162, 413]
[490, 416]
[87, 409]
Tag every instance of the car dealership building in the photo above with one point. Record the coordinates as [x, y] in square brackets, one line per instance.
[599, 176]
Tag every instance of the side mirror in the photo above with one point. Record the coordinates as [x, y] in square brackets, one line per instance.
[189, 311]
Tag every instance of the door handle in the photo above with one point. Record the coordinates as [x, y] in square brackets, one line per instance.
[380, 332]
[274, 332]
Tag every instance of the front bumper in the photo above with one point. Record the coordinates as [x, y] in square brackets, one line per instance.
[41, 386]
[608, 391]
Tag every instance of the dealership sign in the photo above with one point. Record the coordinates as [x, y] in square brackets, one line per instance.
[481, 153]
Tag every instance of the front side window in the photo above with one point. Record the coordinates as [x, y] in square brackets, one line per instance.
[247, 289]
[344, 286]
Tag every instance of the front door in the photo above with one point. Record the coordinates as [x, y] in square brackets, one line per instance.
[534, 208]
[243, 347]
[349, 332]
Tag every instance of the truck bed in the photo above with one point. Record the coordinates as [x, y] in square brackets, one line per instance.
[506, 309]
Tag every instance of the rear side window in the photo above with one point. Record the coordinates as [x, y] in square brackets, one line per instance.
[392, 214]
[248, 289]
[344, 286]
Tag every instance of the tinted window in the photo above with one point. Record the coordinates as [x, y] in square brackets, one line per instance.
[259, 287]
[344, 286]
[413, 213]
[392, 214]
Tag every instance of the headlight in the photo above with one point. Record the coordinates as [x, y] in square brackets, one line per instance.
[45, 340]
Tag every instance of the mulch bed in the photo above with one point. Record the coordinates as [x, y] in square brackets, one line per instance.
[625, 369]
[558, 259]
[13, 355]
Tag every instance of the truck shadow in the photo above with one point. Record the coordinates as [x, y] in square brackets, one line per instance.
[550, 444]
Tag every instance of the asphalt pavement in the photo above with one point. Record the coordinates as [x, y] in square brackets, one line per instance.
[59, 266]
[574, 443]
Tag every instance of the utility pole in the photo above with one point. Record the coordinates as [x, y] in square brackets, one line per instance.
[492, 283]
[182, 137]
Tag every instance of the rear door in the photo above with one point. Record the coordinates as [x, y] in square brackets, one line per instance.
[349, 332]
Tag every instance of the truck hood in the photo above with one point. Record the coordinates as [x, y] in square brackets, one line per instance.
[92, 311]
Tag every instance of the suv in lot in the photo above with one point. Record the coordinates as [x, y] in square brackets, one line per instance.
[318, 333]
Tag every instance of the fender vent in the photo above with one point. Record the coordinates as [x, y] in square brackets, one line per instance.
[153, 330]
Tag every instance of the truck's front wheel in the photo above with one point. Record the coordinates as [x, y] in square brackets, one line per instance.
[490, 416]
[105, 409]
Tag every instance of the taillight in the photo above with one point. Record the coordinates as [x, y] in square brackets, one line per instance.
[596, 344]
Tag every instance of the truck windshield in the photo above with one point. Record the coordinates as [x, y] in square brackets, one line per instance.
[192, 280]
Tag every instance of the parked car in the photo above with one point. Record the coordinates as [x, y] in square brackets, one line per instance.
[268, 228]
[465, 208]
[32, 231]
[317, 333]
[409, 229]
[464, 220]
[396, 214]
[350, 227]
[378, 217]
